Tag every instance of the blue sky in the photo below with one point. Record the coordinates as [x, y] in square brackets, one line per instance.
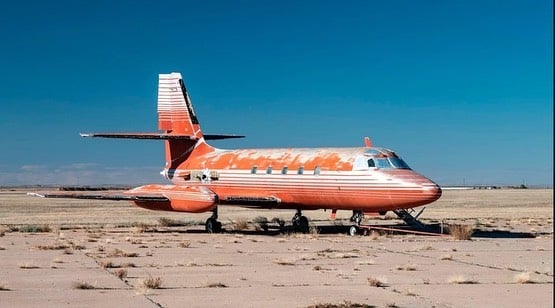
[462, 90]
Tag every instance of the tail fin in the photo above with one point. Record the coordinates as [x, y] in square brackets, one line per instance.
[176, 116]
[175, 110]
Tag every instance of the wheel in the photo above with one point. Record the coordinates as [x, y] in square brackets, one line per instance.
[303, 224]
[300, 224]
[213, 226]
[353, 230]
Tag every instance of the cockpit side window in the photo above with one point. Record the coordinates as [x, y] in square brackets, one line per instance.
[371, 163]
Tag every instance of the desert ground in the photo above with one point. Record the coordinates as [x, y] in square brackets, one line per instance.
[63, 252]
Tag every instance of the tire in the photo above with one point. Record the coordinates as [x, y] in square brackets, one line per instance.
[213, 226]
[353, 230]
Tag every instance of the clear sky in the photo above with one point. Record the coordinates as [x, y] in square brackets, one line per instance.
[462, 90]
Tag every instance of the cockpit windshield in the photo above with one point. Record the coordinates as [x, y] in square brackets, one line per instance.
[398, 163]
[380, 158]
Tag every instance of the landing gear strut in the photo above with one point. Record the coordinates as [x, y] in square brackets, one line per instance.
[212, 224]
[300, 222]
[357, 217]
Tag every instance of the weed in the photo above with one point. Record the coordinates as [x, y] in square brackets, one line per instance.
[28, 265]
[284, 262]
[461, 232]
[460, 279]
[345, 304]
[408, 267]
[109, 264]
[168, 222]
[262, 222]
[83, 285]
[216, 285]
[4, 286]
[376, 282]
[152, 282]
[120, 253]
[121, 273]
[523, 278]
[184, 244]
[241, 224]
[52, 247]
[35, 228]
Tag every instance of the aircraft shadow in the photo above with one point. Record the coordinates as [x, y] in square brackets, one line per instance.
[389, 229]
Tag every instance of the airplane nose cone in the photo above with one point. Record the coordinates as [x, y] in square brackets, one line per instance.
[430, 191]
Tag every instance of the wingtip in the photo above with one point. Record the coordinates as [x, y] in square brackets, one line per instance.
[34, 194]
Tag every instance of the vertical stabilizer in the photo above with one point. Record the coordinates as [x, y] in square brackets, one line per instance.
[176, 116]
[175, 110]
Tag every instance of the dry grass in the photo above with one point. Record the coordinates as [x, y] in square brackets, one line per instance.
[152, 282]
[34, 228]
[345, 304]
[284, 262]
[461, 232]
[407, 267]
[28, 265]
[53, 247]
[215, 285]
[121, 273]
[376, 282]
[4, 286]
[168, 222]
[241, 224]
[460, 279]
[120, 253]
[83, 285]
[523, 278]
[184, 244]
[3, 230]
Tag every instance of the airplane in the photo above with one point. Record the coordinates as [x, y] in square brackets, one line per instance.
[363, 180]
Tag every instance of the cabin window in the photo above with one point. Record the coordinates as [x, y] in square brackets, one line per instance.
[317, 170]
[301, 170]
[371, 163]
[253, 170]
[269, 170]
[284, 170]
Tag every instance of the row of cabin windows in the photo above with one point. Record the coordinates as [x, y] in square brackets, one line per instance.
[285, 169]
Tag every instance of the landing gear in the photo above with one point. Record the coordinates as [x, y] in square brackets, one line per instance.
[212, 224]
[353, 230]
[357, 217]
[300, 222]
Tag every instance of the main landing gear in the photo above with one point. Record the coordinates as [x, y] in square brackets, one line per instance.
[212, 224]
[357, 217]
[300, 222]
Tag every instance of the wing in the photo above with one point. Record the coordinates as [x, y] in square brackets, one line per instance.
[100, 196]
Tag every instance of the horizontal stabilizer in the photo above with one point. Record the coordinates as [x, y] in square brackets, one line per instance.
[157, 136]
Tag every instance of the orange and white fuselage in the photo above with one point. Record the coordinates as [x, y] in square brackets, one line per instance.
[365, 179]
